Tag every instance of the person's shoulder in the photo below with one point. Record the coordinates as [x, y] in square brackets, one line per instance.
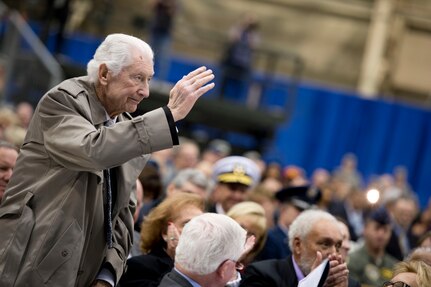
[75, 86]
[276, 232]
[173, 279]
[271, 272]
[271, 265]
[389, 260]
[149, 261]
[69, 88]
[358, 258]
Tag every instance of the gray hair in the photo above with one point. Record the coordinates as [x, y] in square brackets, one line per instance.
[303, 224]
[207, 241]
[194, 176]
[116, 53]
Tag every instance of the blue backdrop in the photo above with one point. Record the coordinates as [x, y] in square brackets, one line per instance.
[326, 124]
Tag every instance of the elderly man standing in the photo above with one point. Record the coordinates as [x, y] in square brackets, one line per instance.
[67, 215]
[208, 252]
[313, 233]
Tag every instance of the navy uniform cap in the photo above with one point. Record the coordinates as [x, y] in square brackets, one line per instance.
[302, 197]
[381, 216]
[236, 169]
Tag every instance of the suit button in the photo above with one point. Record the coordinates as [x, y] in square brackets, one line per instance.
[65, 253]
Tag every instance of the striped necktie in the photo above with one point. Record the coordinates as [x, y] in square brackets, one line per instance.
[108, 206]
[108, 199]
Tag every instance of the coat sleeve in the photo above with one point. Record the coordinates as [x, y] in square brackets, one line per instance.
[72, 140]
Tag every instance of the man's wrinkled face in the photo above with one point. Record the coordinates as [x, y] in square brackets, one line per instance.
[124, 92]
[7, 163]
[325, 236]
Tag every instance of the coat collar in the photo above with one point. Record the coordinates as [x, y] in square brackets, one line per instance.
[98, 112]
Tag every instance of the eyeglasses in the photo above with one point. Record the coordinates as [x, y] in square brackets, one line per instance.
[395, 284]
[239, 266]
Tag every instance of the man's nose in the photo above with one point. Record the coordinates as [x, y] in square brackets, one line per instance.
[8, 174]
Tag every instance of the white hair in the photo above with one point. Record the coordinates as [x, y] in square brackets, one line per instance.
[207, 241]
[194, 176]
[116, 53]
[304, 223]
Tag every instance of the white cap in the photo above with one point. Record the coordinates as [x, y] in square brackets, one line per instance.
[236, 169]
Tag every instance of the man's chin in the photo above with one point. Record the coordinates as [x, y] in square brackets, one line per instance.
[305, 265]
[131, 108]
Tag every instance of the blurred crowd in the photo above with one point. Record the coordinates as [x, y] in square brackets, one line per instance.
[383, 222]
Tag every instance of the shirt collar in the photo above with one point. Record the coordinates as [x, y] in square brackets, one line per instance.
[191, 281]
[219, 209]
[298, 271]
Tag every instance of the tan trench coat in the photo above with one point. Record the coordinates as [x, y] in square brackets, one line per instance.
[51, 217]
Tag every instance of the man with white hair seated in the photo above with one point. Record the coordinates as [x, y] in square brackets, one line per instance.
[313, 235]
[208, 252]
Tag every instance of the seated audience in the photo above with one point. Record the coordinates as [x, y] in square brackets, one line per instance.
[208, 252]
[188, 180]
[344, 251]
[216, 150]
[421, 254]
[185, 155]
[425, 240]
[8, 157]
[234, 176]
[410, 274]
[251, 216]
[313, 235]
[292, 201]
[352, 209]
[263, 195]
[403, 211]
[159, 239]
[371, 264]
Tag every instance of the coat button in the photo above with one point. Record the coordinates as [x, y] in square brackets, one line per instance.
[65, 253]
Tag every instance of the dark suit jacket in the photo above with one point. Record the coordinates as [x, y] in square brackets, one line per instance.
[276, 245]
[338, 209]
[280, 273]
[174, 279]
[273, 272]
[147, 270]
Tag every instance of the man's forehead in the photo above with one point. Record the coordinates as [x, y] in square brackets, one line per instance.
[326, 229]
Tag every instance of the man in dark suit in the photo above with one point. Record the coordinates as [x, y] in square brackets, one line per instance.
[293, 200]
[314, 234]
[208, 252]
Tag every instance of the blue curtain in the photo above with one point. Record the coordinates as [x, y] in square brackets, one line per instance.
[326, 124]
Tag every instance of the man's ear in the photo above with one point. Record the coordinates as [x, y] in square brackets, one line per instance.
[222, 270]
[296, 246]
[103, 74]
